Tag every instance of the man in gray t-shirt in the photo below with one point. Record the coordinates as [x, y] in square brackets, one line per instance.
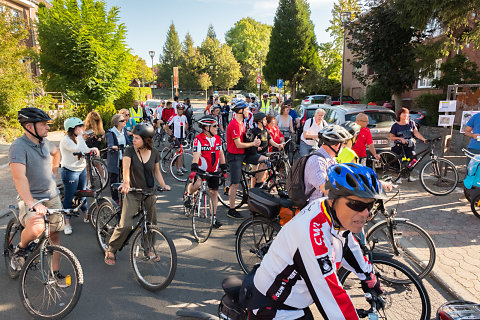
[34, 163]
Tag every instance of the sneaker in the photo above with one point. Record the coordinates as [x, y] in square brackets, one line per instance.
[86, 220]
[180, 172]
[188, 200]
[60, 280]
[18, 258]
[217, 224]
[412, 179]
[232, 213]
[184, 169]
[68, 229]
[399, 181]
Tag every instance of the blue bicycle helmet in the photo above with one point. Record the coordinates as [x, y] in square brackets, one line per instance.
[239, 105]
[350, 179]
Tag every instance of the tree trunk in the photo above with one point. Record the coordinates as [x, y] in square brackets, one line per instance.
[397, 97]
[293, 88]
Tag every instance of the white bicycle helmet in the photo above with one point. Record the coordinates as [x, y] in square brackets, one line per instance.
[334, 134]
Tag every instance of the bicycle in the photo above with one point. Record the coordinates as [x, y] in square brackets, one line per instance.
[201, 209]
[153, 272]
[168, 158]
[459, 309]
[408, 300]
[97, 171]
[159, 138]
[438, 176]
[43, 295]
[408, 242]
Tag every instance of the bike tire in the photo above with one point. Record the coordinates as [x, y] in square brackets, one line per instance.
[389, 165]
[34, 291]
[150, 274]
[99, 175]
[165, 157]
[186, 163]
[475, 206]
[444, 178]
[107, 219]
[202, 217]
[12, 238]
[399, 295]
[241, 196]
[253, 238]
[415, 247]
[184, 314]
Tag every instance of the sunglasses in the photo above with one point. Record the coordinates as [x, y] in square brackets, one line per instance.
[215, 126]
[122, 120]
[359, 206]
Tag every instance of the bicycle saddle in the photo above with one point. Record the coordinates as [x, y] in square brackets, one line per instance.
[85, 193]
[231, 285]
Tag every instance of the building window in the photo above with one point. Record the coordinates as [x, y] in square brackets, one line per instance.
[16, 13]
[426, 81]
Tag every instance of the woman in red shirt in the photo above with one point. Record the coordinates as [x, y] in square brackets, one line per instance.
[275, 133]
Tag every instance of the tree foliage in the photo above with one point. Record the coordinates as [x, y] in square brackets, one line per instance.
[15, 81]
[457, 70]
[211, 32]
[189, 64]
[293, 47]
[142, 71]
[204, 81]
[336, 25]
[330, 61]
[172, 52]
[386, 46]
[83, 51]
[249, 40]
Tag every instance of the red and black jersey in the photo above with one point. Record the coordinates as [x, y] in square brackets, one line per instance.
[209, 149]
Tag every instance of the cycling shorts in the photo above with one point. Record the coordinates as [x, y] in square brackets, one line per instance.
[212, 182]
[235, 162]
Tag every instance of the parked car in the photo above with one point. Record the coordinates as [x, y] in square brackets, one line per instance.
[316, 99]
[152, 104]
[380, 120]
[346, 100]
[239, 96]
[419, 117]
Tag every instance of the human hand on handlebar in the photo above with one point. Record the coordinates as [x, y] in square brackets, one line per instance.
[40, 209]
[124, 187]
[372, 283]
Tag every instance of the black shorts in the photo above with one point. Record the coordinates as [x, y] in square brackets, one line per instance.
[212, 182]
[235, 165]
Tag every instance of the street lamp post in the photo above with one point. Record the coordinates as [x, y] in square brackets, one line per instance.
[345, 16]
[211, 72]
[152, 54]
[260, 72]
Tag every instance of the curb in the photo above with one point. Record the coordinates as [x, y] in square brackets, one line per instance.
[450, 285]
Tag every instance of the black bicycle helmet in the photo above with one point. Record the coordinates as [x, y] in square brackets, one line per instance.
[32, 115]
[206, 121]
[333, 134]
[144, 130]
[259, 116]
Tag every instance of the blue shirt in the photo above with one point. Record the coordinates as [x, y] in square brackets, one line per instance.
[474, 123]
[292, 113]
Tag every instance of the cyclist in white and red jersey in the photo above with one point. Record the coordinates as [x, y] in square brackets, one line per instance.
[207, 157]
[177, 127]
[300, 266]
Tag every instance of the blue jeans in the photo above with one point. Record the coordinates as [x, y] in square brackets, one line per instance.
[305, 148]
[73, 181]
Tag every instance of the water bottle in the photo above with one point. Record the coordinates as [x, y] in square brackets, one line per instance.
[372, 316]
[412, 163]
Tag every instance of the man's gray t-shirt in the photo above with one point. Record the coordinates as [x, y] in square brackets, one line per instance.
[38, 163]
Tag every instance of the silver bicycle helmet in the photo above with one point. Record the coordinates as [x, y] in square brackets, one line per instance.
[334, 134]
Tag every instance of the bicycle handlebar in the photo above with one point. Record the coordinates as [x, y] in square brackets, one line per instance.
[74, 211]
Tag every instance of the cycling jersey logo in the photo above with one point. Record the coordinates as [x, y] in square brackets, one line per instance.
[316, 235]
[325, 264]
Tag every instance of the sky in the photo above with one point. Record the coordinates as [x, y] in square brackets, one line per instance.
[147, 21]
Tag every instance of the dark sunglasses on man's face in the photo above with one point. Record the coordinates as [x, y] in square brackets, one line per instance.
[359, 206]
[122, 120]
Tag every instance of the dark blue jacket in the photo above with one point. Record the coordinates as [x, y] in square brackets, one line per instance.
[112, 155]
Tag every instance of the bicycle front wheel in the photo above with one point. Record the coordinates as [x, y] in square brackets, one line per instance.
[202, 217]
[439, 176]
[99, 175]
[475, 206]
[153, 259]
[107, 220]
[45, 294]
[186, 162]
[408, 243]
[253, 240]
[404, 292]
[12, 238]
[240, 197]
[389, 165]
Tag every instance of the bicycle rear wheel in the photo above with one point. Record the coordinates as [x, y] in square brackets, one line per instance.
[389, 165]
[404, 292]
[202, 217]
[12, 238]
[413, 246]
[107, 220]
[475, 206]
[44, 295]
[253, 240]
[99, 175]
[439, 176]
[153, 259]
[240, 197]
[187, 160]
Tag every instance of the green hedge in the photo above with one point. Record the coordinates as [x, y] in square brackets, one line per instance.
[429, 103]
[377, 93]
[132, 94]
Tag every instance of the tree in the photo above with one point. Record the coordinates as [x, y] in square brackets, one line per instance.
[172, 52]
[83, 51]
[204, 82]
[189, 64]
[386, 47]
[330, 61]
[457, 70]
[336, 25]
[249, 40]
[15, 81]
[293, 47]
[142, 71]
[211, 33]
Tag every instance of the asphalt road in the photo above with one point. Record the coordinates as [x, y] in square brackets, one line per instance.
[113, 293]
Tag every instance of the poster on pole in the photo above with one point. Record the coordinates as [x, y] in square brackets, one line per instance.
[447, 106]
[446, 120]
[466, 115]
[175, 77]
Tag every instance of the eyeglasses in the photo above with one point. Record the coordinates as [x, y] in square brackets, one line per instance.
[359, 206]
[215, 126]
[122, 120]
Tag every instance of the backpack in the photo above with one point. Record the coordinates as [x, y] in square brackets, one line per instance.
[296, 181]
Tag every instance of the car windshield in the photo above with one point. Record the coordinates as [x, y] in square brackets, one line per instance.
[375, 119]
[318, 99]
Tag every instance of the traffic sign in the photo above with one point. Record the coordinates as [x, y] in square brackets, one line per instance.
[259, 80]
[279, 83]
